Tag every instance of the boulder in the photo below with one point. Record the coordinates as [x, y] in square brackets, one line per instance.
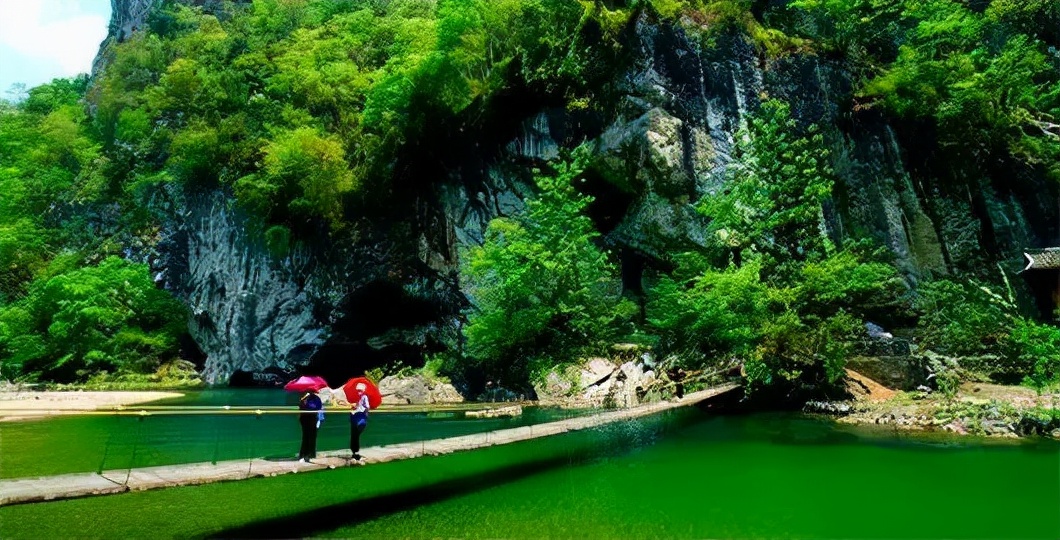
[599, 384]
[632, 371]
[596, 371]
[827, 407]
[443, 392]
[596, 395]
[624, 395]
[416, 390]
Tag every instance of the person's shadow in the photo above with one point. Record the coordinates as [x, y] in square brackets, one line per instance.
[328, 518]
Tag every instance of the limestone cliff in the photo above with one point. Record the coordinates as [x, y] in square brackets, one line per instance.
[388, 291]
[126, 17]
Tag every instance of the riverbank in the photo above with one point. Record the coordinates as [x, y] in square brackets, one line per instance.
[22, 404]
[975, 409]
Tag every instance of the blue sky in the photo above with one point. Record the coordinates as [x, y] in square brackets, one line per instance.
[44, 39]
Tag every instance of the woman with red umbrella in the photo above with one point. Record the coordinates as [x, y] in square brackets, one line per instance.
[363, 396]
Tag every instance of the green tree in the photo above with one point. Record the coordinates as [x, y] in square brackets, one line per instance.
[968, 318]
[45, 155]
[1034, 348]
[789, 304]
[778, 181]
[44, 99]
[541, 290]
[109, 317]
[305, 170]
[963, 318]
[705, 314]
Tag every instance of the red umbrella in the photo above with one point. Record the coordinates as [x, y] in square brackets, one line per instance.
[370, 390]
[305, 383]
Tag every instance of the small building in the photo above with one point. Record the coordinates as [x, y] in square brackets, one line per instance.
[1042, 275]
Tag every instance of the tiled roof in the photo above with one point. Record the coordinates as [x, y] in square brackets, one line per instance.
[1043, 259]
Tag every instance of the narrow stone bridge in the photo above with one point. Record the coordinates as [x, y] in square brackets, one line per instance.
[24, 490]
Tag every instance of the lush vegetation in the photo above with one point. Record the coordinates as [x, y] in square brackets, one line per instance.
[303, 109]
[70, 308]
[983, 80]
[781, 297]
[313, 114]
[969, 319]
[542, 291]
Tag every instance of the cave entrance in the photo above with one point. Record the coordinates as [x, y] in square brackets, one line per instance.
[610, 204]
[380, 328]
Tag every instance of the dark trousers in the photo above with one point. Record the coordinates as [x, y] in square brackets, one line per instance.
[358, 421]
[309, 435]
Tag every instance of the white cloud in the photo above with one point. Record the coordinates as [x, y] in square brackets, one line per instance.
[61, 34]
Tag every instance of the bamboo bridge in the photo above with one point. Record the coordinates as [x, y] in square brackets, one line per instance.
[26, 490]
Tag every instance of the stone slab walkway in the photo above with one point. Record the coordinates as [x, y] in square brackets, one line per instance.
[24, 490]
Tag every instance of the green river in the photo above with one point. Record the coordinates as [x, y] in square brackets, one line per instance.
[685, 474]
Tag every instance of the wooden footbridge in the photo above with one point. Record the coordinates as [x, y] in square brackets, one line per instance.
[24, 490]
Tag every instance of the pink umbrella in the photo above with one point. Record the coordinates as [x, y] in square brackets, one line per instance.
[305, 383]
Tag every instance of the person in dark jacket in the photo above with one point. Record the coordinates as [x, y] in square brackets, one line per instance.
[310, 418]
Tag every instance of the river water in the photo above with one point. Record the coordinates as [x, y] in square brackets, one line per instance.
[768, 475]
[685, 474]
[68, 444]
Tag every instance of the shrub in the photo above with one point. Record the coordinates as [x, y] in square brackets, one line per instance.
[969, 319]
[963, 318]
[714, 314]
[796, 351]
[1035, 348]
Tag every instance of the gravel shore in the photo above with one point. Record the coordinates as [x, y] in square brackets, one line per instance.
[27, 404]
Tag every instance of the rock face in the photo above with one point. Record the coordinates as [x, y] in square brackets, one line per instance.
[671, 138]
[417, 390]
[250, 310]
[126, 17]
[664, 142]
[601, 383]
[130, 16]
